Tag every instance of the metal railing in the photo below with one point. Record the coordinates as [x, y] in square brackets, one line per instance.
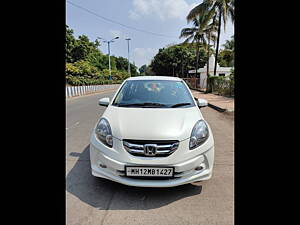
[72, 91]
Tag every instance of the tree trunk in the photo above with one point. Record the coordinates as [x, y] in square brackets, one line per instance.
[197, 59]
[208, 90]
[182, 66]
[207, 71]
[218, 40]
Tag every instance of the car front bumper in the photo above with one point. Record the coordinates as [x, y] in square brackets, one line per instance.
[109, 163]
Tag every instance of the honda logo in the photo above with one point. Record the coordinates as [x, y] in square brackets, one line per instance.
[150, 149]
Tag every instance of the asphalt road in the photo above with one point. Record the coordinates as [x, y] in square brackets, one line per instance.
[92, 200]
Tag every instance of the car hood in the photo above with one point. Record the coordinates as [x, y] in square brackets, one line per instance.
[152, 123]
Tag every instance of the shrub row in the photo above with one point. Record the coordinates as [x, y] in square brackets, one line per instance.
[81, 81]
[83, 73]
[222, 85]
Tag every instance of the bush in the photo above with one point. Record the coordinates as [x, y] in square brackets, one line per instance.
[72, 70]
[82, 68]
[222, 85]
[116, 74]
[83, 73]
[81, 81]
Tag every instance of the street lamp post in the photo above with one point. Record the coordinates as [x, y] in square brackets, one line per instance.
[128, 39]
[109, 68]
[108, 45]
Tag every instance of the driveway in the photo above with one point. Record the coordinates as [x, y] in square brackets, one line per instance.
[91, 200]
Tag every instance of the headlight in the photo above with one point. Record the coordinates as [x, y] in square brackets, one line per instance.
[103, 132]
[199, 134]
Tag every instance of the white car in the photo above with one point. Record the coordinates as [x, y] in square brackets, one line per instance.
[152, 134]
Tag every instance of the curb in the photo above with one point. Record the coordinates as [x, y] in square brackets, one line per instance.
[194, 89]
[219, 109]
[216, 108]
[230, 113]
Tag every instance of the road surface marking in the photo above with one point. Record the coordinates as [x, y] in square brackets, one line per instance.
[73, 125]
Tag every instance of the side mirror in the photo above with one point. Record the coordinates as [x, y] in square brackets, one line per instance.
[202, 103]
[104, 102]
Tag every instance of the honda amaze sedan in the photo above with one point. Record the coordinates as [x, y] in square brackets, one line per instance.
[152, 134]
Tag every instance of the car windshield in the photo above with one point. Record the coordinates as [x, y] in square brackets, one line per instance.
[154, 94]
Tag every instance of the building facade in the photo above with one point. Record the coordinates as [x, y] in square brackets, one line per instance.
[221, 71]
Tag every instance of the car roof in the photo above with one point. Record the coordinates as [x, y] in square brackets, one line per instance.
[154, 78]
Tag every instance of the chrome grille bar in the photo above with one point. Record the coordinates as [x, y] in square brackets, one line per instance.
[162, 149]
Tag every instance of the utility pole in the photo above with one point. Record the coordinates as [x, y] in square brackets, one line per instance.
[128, 39]
[108, 45]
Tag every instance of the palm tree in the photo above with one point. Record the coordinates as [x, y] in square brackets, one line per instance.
[229, 51]
[229, 44]
[191, 34]
[220, 8]
[210, 34]
[198, 32]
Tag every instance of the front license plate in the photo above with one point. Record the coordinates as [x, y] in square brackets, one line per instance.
[149, 171]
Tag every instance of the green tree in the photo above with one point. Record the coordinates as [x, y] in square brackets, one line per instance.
[192, 34]
[133, 70]
[203, 29]
[227, 54]
[210, 34]
[221, 8]
[86, 64]
[98, 60]
[179, 58]
[149, 71]
[83, 48]
[86, 69]
[70, 42]
[121, 63]
[229, 44]
[142, 70]
[195, 34]
[226, 58]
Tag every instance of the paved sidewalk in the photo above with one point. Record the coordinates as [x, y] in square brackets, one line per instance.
[216, 100]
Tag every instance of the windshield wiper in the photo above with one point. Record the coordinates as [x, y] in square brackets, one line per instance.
[144, 105]
[180, 104]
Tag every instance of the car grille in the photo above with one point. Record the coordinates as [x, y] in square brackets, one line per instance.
[163, 148]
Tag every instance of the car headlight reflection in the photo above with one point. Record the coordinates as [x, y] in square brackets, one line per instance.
[103, 132]
[199, 134]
